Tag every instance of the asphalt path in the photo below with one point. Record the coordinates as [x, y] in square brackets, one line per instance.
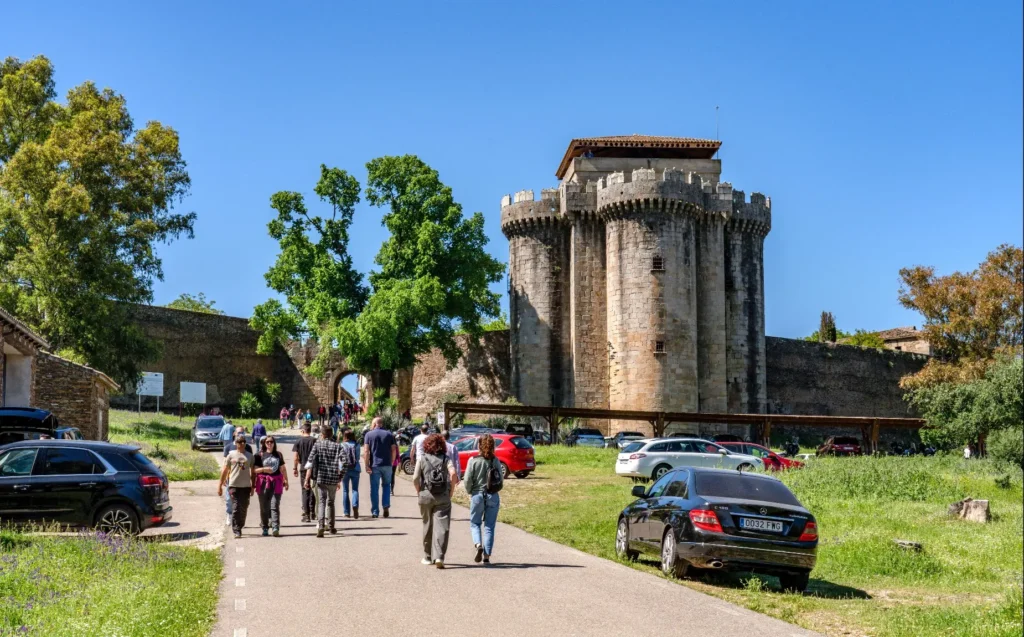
[368, 580]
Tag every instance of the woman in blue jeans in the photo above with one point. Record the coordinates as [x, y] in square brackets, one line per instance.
[483, 481]
[350, 474]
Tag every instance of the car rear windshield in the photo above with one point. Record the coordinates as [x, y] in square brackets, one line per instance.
[633, 446]
[143, 463]
[741, 487]
[210, 423]
[631, 434]
[588, 432]
[521, 443]
[842, 440]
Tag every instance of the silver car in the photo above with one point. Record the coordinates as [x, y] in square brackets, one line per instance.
[654, 457]
[585, 438]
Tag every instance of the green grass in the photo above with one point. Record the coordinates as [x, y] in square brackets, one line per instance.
[103, 585]
[166, 441]
[967, 581]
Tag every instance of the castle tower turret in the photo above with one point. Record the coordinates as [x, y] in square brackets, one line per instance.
[538, 305]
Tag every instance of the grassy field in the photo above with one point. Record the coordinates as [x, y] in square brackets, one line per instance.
[86, 585]
[166, 441]
[967, 581]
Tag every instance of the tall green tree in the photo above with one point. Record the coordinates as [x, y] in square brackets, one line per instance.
[84, 198]
[433, 274]
[198, 303]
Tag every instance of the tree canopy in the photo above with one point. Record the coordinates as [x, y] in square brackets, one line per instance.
[432, 278]
[84, 198]
[970, 318]
[197, 303]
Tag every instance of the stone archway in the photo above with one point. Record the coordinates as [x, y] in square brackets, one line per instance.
[338, 392]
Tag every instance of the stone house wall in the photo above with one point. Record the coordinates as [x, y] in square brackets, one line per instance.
[481, 376]
[76, 394]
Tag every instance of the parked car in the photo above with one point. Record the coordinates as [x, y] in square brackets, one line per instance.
[623, 438]
[541, 438]
[840, 446]
[514, 452]
[655, 457]
[405, 462]
[69, 433]
[720, 438]
[585, 438]
[26, 423]
[698, 518]
[772, 461]
[206, 433]
[521, 429]
[80, 483]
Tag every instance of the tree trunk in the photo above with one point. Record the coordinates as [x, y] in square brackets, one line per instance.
[381, 379]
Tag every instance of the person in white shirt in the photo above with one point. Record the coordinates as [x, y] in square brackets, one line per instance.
[416, 447]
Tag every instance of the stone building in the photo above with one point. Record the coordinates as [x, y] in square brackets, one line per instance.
[638, 282]
[906, 339]
[31, 377]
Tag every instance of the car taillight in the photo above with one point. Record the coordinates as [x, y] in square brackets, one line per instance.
[706, 520]
[810, 533]
[637, 456]
[151, 481]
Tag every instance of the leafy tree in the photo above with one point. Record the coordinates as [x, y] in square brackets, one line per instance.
[863, 338]
[963, 412]
[194, 304]
[249, 405]
[827, 329]
[970, 318]
[432, 280]
[84, 197]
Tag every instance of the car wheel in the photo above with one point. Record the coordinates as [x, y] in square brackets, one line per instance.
[504, 471]
[117, 519]
[194, 447]
[659, 471]
[408, 467]
[522, 474]
[746, 466]
[671, 564]
[622, 542]
[796, 583]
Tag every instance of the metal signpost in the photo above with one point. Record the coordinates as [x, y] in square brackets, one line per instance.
[151, 384]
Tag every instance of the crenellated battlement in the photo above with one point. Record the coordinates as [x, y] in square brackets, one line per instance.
[755, 216]
[521, 212]
[667, 190]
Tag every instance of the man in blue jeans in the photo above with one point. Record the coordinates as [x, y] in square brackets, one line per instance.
[379, 454]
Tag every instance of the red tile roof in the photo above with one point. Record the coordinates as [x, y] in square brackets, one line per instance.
[663, 146]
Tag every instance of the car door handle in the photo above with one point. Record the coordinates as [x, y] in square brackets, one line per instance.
[87, 484]
[22, 487]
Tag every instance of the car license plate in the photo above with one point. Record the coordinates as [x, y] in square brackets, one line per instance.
[752, 524]
[529, 464]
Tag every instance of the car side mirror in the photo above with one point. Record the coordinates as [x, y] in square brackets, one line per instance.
[724, 452]
[639, 491]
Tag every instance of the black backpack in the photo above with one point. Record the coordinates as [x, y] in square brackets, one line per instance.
[435, 477]
[494, 480]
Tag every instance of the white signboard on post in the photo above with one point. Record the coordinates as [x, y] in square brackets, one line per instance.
[151, 384]
[193, 393]
[440, 418]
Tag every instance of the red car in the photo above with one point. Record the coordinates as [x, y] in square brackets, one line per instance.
[514, 452]
[772, 460]
[840, 446]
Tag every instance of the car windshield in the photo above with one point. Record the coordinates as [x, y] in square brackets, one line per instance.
[521, 443]
[741, 487]
[589, 432]
[210, 423]
[633, 446]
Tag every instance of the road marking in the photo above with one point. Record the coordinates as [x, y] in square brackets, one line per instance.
[239, 581]
[241, 632]
[239, 604]
[239, 563]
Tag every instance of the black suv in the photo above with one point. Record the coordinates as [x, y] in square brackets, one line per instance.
[80, 483]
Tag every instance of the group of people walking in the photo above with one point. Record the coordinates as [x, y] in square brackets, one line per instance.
[325, 466]
[338, 414]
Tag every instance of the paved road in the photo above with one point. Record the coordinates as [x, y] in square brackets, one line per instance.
[367, 580]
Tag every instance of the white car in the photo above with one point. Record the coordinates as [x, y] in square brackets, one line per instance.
[654, 457]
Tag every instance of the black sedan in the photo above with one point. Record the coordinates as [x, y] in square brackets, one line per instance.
[696, 518]
[80, 483]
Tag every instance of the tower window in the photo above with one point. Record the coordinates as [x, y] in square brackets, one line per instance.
[659, 347]
[658, 264]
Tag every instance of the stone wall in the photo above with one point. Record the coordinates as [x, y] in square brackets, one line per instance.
[481, 376]
[74, 393]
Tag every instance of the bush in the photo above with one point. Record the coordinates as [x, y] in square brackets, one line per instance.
[248, 404]
[1007, 445]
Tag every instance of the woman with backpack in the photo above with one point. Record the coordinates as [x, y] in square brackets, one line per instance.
[349, 473]
[433, 479]
[271, 481]
[483, 482]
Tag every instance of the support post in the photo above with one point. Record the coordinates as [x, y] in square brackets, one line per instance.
[554, 424]
[659, 425]
[766, 433]
[874, 436]
[447, 418]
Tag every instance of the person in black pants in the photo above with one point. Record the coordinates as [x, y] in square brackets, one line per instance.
[302, 450]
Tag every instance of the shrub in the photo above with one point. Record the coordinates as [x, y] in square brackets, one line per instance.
[248, 404]
[1007, 445]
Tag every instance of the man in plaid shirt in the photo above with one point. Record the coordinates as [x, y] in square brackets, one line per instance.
[325, 462]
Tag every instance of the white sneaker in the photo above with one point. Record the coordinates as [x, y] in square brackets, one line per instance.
[426, 561]
[439, 563]
[228, 521]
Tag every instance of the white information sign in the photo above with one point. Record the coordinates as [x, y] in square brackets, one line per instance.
[193, 393]
[151, 384]
[440, 417]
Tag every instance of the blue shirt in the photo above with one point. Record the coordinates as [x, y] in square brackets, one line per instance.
[379, 442]
[259, 431]
[227, 432]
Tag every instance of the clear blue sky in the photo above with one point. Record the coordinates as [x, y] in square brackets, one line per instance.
[886, 134]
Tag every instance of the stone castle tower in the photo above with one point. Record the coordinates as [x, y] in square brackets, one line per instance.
[638, 283]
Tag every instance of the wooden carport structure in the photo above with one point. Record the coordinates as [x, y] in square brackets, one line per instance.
[869, 426]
